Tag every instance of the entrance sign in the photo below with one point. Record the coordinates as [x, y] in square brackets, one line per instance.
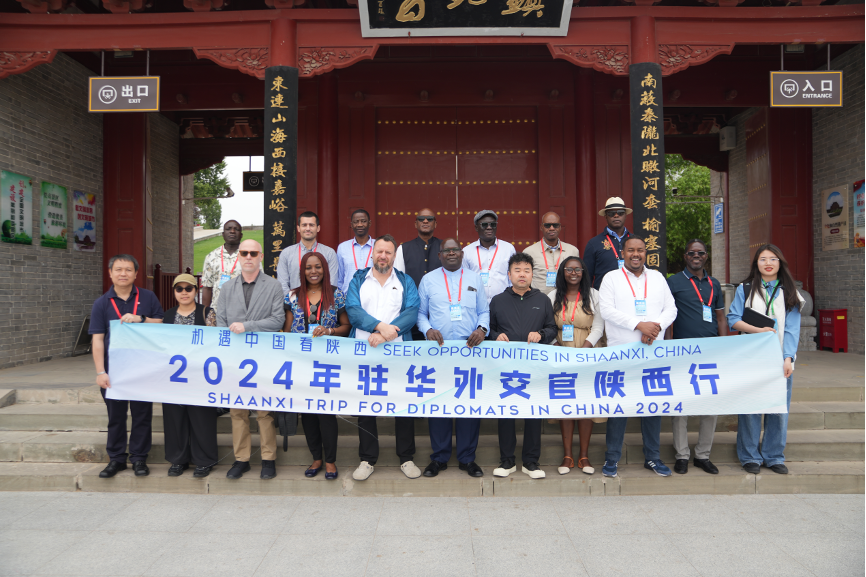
[811, 89]
[211, 366]
[16, 202]
[389, 18]
[53, 216]
[859, 215]
[124, 94]
[254, 181]
[84, 221]
[719, 218]
[834, 218]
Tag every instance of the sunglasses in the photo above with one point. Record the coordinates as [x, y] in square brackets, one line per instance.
[252, 253]
[697, 253]
[487, 225]
[572, 270]
[615, 213]
[180, 289]
[425, 218]
[447, 251]
[551, 225]
[314, 308]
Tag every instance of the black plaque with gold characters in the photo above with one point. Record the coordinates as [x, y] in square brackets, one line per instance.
[281, 159]
[648, 160]
[389, 18]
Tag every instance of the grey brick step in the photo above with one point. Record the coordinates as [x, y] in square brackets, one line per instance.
[805, 477]
[83, 446]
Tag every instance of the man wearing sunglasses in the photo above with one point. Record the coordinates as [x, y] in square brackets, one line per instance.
[420, 255]
[252, 302]
[488, 256]
[603, 253]
[548, 253]
[700, 313]
[221, 264]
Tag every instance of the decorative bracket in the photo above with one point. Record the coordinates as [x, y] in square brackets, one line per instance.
[609, 59]
[252, 61]
[677, 57]
[18, 62]
[314, 61]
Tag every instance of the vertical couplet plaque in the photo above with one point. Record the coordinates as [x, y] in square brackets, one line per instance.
[281, 162]
[648, 160]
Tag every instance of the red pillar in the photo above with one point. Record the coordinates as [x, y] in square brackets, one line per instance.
[586, 193]
[643, 40]
[327, 196]
[283, 50]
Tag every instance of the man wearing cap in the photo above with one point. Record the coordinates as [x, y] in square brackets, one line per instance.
[488, 256]
[289, 267]
[548, 253]
[221, 264]
[420, 255]
[603, 253]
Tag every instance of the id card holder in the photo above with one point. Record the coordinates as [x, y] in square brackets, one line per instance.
[224, 278]
[311, 328]
[551, 278]
[456, 312]
[620, 263]
[708, 314]
[640, 307]
[485, 278]
[567, 333]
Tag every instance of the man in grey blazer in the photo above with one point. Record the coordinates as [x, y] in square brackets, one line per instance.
[252, 302]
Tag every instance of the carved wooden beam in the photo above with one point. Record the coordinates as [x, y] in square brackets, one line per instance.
[252, 61]
[609, 59]
[44, 6]
[18, 62]
[315, 61]
[674, 58]
[123, 6]
[205, 5]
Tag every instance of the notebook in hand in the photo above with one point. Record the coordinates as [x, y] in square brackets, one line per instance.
[757, 319]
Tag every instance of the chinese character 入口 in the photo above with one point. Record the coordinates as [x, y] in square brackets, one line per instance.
[423, 378]
[141, 90]
[278, 229]
[198, 336]
[360, 348]
[279, 343]
[467, 378]
[648, 81]
[652, 242]
[646, 132]
[374, 375]
[609, 383]
[712, 378]
[520, 390]
[325, 376]
[648, 98]
[225, 338]
[651, 224]
[278, 135]
[278, 205]
[657, 382]
[306, 345]
[333, 346]
[826, 86]
[252, 339]
[562, 385]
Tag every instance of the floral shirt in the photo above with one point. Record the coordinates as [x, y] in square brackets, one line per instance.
[329, 318]
[218, 262]
[209, 321]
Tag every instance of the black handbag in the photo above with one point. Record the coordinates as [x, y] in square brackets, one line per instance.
[287, 423]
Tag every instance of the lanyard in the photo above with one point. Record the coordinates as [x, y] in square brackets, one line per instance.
[134, 309]
[478, 253]
[312, 250]
[645, 282]
[222, 263]
[356, 260]
[544, 254]
[318, 310]
[613, 248]
[574, 310]
[771, 305]
[710, 302]
[459, 290]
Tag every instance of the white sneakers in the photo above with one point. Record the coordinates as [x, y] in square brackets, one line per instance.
[501, 472]
[410, 470]
[533, 471]
[363, 472]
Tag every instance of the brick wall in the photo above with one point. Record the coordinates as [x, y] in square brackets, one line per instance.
[738, 218]
[188, 218]
[718, 249]
[837, 158]
[46, 133]
[164, 143]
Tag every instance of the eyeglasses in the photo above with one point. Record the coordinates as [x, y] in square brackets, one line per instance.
[768, 260]
[447, 251]
[551, 225]
[696, 253]
[572, 270]
[252, 253]
[487, 225]
[425, 218]
[615, 213]
[180, 289]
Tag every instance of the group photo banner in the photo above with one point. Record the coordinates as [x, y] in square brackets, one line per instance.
[207, 366]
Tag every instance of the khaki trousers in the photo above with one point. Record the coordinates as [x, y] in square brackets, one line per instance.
[242, 441]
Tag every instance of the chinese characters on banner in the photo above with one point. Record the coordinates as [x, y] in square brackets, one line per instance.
[84, 221]
[648, 160]
[15, 211]
[53, 215]
[859, 215]
[834, 218]
[281, 154]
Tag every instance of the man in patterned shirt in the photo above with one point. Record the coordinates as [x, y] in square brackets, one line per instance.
[220, 265]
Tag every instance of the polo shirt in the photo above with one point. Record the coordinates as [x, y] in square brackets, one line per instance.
[690, 323]
[103, 312]
[600, 256]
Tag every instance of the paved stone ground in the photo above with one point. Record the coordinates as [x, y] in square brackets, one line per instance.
[114, 534]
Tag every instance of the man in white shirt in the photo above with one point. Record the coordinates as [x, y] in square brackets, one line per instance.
[382, 304]
[488, 256]
[636, 305]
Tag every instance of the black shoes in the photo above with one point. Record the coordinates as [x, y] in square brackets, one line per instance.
[434, 467]
[177, 470]
[201, 472]
[472, 469]
[682, 466]
[140, 468]
[706, 465]
[752, 468]
[269, 469]
[238, 469]
[113, 468]
[780, 468]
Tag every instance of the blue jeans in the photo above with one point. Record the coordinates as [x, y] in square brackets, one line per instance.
[650, 428]
[772, 449]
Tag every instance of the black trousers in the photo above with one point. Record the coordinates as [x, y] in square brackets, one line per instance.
[190, 434]
[368, 439]
[140, 437]
[321, 434]
[531, 439]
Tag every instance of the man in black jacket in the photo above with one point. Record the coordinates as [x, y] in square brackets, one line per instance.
[521, 314]
[420, 255]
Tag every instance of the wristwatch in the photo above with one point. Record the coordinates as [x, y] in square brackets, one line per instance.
[143, 318]
[483, 330]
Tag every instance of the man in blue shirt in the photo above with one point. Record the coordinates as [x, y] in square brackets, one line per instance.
[125, 302]
[603, 253]
[355, 254]
[453, 307]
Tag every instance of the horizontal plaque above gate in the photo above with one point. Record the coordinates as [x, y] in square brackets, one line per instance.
[389, 18]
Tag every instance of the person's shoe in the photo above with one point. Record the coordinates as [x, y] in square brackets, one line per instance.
[583, 465]
[472, 468]
[112, 469]
[752, 468]
[779, 468]
[533, 471]
[311, 472]
[707, 466]
[269, 469]
[658, 468]
[201, 472]
[238, 469]
[566, 466]
[609, 469]
[177, 470]
[331, 476]
[682, 466]
[363, 472]
[140, 468]
[410, 470]
[504, 469]
[434, 467]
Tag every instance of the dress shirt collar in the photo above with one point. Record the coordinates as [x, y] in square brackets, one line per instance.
[369, 242]
[545, 246]
[493, 246]
[369, 275]
[625, 233]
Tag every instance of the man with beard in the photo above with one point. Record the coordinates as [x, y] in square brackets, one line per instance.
[289, 267]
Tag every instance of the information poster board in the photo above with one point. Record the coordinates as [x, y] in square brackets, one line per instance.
[859, 215]
[834, 218]
[53, 215]
[15, 210]
[84, 221]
